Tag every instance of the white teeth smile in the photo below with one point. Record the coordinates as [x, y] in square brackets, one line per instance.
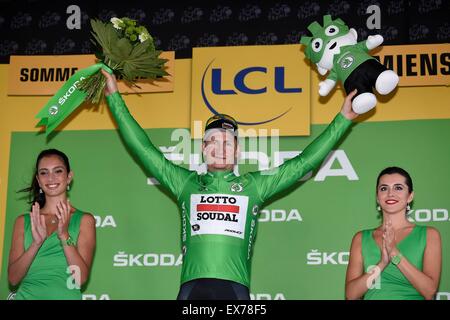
[52, 186]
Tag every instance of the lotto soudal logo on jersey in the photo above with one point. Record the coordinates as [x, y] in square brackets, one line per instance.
[218, 214]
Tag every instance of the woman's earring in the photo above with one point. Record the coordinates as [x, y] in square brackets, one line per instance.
[408, 207]
[378, 208]
[68, 187]
[40, 191]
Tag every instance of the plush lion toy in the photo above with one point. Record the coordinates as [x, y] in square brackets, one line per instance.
[334, 48]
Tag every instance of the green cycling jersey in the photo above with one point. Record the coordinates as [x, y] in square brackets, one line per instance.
[219, 210]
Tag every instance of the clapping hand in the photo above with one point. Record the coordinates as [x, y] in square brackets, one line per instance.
[38, 226]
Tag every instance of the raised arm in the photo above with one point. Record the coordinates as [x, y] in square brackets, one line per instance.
[168, 174]
[278, 179]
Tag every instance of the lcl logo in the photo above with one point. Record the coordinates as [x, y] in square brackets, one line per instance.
[240, 86]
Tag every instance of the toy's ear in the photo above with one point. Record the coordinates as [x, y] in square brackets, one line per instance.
[339, 20]
[305, 40]
[321, 70]
[314, 27]
[327, 19]
[354, 33]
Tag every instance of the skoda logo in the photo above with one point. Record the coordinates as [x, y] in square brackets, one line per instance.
[53, 110]
[11, 296]
[237, 187]
[347, 62]
[255, 210]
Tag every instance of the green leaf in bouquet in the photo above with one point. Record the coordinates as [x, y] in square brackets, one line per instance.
[139, 50]
[122, 49]
[106, 37]
[151, 45]
[144, 66]
[129, 72]
[104, 34]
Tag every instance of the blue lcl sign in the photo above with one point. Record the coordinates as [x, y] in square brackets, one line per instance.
[240, 84]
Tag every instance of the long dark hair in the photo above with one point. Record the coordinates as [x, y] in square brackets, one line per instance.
[34, 190]
[400, 171]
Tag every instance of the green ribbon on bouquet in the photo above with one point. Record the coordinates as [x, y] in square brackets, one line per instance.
[67, 99]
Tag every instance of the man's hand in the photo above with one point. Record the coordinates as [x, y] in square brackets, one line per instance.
[111, 83]
[347, 110]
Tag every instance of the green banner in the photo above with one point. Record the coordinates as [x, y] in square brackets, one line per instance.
[304, 236]
[67, 99]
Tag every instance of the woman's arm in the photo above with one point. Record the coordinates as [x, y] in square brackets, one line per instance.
[426, 281]
[79, 256]
[357, 281]
[20, 259]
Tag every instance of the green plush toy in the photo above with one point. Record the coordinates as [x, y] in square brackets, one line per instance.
[333, 47]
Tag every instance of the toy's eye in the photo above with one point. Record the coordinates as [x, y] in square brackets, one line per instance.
[331, 30]
[317, 44]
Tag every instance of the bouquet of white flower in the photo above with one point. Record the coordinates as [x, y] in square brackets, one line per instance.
[127, 49]
[123, 48]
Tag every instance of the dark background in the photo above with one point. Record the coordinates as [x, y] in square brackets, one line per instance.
[36, 27]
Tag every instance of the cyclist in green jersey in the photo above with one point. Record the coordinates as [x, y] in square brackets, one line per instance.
[52, 246]
[219, 209]
[398, 260]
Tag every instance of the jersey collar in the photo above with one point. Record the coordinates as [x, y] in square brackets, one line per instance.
[226, 175]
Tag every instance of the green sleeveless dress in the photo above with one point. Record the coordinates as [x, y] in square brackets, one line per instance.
[48, 277]
[393, 285]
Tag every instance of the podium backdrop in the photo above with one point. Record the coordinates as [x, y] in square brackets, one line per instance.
[303, 237]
